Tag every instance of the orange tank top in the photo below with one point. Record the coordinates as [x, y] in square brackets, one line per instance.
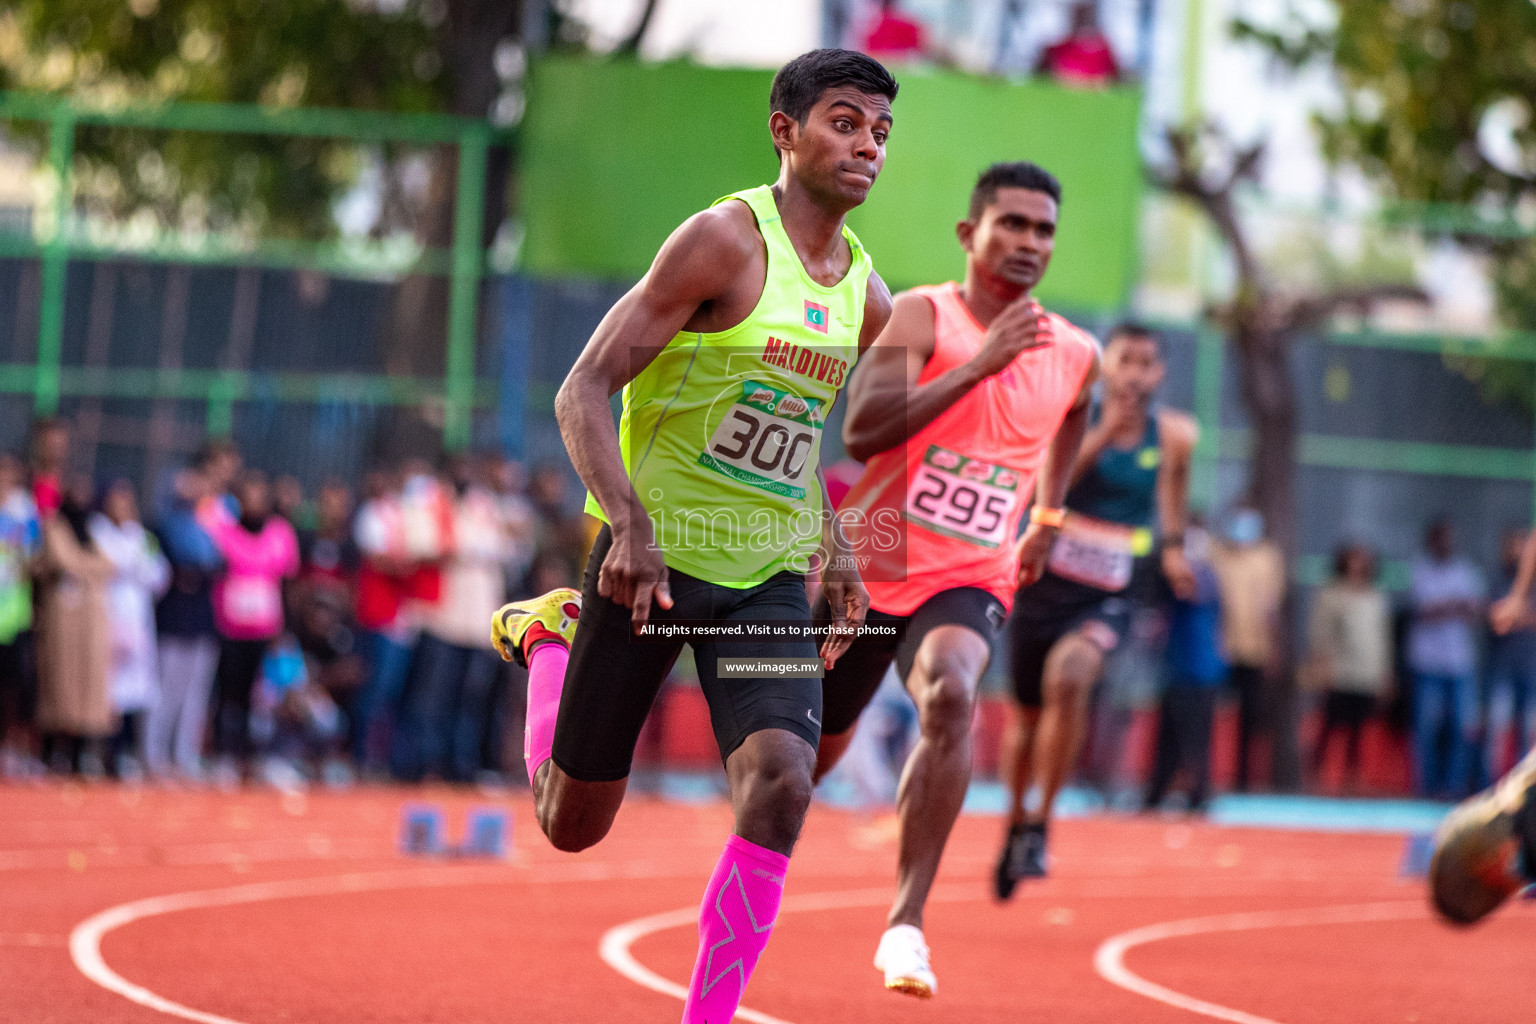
[942, 511]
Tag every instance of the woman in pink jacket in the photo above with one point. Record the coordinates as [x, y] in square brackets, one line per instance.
[260, 551]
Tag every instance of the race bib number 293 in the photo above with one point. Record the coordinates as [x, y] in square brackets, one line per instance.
[963, 498]
[767, 439]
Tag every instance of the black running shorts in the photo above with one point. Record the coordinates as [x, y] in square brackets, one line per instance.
[613, 676]
[856, 676]
[1048, 610]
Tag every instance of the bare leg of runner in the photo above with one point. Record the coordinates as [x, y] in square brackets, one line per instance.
[1016, 759]
[1070, 672]
[943, 683]
[770, 776]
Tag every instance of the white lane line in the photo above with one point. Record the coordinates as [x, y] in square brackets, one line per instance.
[614, 947]
[86, 938]
[1109, 958]
[616, 943]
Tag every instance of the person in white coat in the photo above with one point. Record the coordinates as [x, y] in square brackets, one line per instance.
[142, 576]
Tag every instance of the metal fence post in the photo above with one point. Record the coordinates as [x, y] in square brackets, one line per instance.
[464, 286]
[1208, 372]
[55, 257]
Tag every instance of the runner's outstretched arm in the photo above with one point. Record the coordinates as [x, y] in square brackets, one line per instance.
[886, 379]
[1179, 433]
[697, 264]
[1052, 484]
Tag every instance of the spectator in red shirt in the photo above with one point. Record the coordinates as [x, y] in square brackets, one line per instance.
[894, 38]
[1084, 58]
[50, 457]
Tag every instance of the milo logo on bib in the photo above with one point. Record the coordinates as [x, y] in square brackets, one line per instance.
[962, 497]
[767, 438]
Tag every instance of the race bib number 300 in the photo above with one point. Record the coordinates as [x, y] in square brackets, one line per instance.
[962, 498]
[767, 439]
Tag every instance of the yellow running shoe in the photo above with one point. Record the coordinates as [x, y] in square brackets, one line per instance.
[1485, 850]
[550, 616]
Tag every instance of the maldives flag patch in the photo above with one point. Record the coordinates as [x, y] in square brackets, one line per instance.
[816, 316]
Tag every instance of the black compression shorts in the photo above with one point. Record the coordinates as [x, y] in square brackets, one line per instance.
[856, 676]
[1048, 610]
[613, 676]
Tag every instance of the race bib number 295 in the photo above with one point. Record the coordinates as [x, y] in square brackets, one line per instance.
[963, 498]
[767, 439]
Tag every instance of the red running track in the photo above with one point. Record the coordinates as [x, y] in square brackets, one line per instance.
[304, 912]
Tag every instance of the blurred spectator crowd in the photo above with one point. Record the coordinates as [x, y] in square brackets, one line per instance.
[1395, 690]
[1419, 669]
[1080, 57]
[246, 630]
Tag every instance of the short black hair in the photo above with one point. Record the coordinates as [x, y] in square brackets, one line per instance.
[1139, 331]
[1019, 174]
[800, 83]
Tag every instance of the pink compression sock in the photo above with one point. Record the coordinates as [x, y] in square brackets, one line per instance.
[546, 678]
[735, 920]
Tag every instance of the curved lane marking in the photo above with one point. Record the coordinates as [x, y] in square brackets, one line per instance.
[615, 946]
[1109, 958]
[85, 940]
[86, 937]
[616, 943]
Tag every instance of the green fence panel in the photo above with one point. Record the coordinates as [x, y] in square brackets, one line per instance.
[63, 239]
[615, 154]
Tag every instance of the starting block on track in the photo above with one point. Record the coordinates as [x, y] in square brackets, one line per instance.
[421, 830]
[423, 833]
[1417, 854]
[486, 833]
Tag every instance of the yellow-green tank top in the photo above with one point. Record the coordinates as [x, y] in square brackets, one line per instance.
[721, 433]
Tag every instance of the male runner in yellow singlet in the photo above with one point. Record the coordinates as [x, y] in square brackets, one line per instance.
[729, 352]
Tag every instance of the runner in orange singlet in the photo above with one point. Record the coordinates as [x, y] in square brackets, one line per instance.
[969, 393]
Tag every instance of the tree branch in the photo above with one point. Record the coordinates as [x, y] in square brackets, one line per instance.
[1317, 310]
[1186, 178]
[631, 46]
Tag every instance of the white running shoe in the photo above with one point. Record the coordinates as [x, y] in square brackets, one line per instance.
[903, 956]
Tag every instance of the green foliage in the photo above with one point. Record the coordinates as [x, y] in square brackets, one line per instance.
[1419, 80]
[1507, 383]
[1419, 76]
[1424, 82]
[282, 53]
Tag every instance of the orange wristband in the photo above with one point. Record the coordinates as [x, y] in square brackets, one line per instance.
[1052, 517]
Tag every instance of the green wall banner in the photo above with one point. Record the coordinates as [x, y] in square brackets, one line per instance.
[615, 154]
